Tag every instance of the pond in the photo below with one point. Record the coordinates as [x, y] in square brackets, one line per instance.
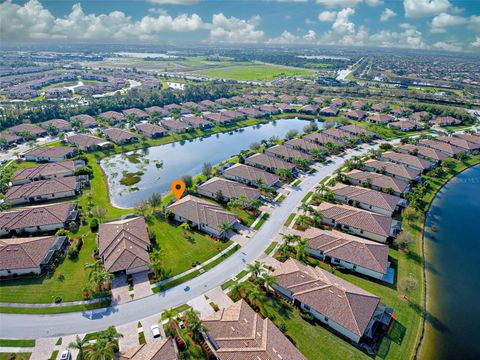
[453, 248]
[160, 165]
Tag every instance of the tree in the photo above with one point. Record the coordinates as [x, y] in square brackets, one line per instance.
[291, 134]
[51, 129]
[254, 296]
[80, 345]
[171, 314]
[303, 221]
[408, 284]
[226, 228]
[254, 146]
[306, 208]
[311, 126]
[207, 169]
[301, 250]
[156, 263]
[102, 349]
[317, 218]
[255, 269]
[403, 239]
[155, 200]
[99, 212]
[141, 207]
[236, 289]
[268, 280]
[410, 214]
[302, 162]
[187, 179]
[285, 174]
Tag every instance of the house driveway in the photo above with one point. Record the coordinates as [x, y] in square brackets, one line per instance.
[202, 305]
[141, 285]
[66, 340]
[219, 297]
[119, 290]
[130, 336]
[147, 324]
[43, 348]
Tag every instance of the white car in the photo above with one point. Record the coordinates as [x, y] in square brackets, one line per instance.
[156, 331]
[66, 355]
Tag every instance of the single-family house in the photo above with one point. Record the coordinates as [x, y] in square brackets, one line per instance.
[50, 153]
[368, 199]
[359, 105]
[22, 130]
[136, 113]
[250, 175]
[239, 333]
[340, 135]
[151, 130]
[208, 104]
[196, 122]
[37, 219]
[46, 171]
[286, 108]
[88, 142]
[58, 124]
[358, 131]
[329, 111]
[321, 139]
[410, 161]
[120, 136]
[380, 107]
[469, 137]
[251, 112]
[202, 214]
[463, 144]
[446, 148]
[239, 115]
[303, 145]
[301, 99]
[225, 190]
[193, 106]
[85, 120]
[123, 245]
[174, 125]
[420, 116]
[359, 222]
[405, 125]
[112, 117]
[422, 152]
[286, 98]
[161, 349]
[381, 118]
[400, 111]
[357, 254]
[8, 140]
[337, 102]
[156, 111]
[378, 182]
[445, 121]
[217, 118]
[394, 170]
[43, 190]
[343, 307]
[30, 255]
[268, 162]
[269, 109]
[309, 109]
[318, 100]
[356, 114]
[287, 153]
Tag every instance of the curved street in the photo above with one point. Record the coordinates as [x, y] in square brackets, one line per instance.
[38, 326]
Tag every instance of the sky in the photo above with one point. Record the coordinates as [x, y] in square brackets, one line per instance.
[419, 24]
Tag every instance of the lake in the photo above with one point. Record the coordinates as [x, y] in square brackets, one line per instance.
[453, 252]
[185, 158]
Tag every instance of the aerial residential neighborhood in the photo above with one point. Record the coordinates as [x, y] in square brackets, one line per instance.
[255, 180]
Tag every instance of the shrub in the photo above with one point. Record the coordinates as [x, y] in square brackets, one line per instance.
[282, 327]
[61, 232]
[94, 224]
[307, 317]
[61, 277]
[72, 253]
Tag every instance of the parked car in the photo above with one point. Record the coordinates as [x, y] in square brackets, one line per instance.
[156, 331]
[66, 355]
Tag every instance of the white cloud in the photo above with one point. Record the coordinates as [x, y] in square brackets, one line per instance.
[327, 16]
[174, 2]
[417, 9]
[476, 42]
[338, 3]
[442, 21]
[284, 38]
[387, 14]
[474, 23]
[342, 24]
[443, 45]
[374, 3]
[235, 30]
[310, 36]
[309, 21]
[289, 1]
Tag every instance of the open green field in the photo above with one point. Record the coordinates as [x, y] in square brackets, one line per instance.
[253, 72]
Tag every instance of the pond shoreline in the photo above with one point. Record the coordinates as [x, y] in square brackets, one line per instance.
[420, 342]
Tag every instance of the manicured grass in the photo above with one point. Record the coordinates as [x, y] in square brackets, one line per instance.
[54, 355]
[246, 216]
[270, 247]
[192, 245]
[296, 183]
[260, 222]
[59, 341]
[289, 219]
[325, 179]
[230, 282]
[178, 309]
[53, 310]
[18, 356]
[195, 273]
[17, 343]
[305, 198]
[259, 72]
[281, 198]
[141, 337]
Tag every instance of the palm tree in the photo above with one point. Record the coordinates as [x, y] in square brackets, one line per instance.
[78, 344]
[171, 314]
[301, 250]
[191, 316]
[287, 239]
[260, 183]
[226, 228]
[268, 280]
[306, 208]
[303, 221]
[102, 349]
[254, 296]
[156, 262]
[320, 188]
[255, 269]
[236, 289]
[317, 219]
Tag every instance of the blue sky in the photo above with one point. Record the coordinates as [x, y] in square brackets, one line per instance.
[430, 24]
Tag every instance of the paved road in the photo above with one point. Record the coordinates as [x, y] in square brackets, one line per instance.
[40, 326]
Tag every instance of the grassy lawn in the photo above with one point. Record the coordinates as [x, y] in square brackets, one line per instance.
[305, 198]
[289, 219]
[258, 72]
[247, 217]
[260, 222]
[270, 247]
[281, 198]
[18, 356]
[17, 343]
[54, 310]
[230, 282]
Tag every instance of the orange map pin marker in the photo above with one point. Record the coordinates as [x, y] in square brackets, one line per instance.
[178, 188]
